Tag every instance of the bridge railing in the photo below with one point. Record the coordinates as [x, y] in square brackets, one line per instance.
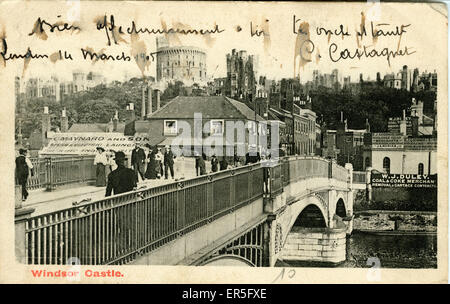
[39, 179]
[295, 168]
[117, 229]
[301, 167]
[51, 172]
[339, 173]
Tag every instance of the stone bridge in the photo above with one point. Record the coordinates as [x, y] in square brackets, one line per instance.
[297, 208]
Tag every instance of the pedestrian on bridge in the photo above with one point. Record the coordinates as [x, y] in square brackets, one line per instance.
[23, 168]
[122, 179]
[138, 161]
[168, 163]
[100, 161]
[201, 164]
[151, 172]
[214, 163]
[223, 163]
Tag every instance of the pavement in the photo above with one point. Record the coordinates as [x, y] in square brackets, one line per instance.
[49, 201]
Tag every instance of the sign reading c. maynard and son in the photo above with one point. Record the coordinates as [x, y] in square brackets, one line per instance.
[403, 180]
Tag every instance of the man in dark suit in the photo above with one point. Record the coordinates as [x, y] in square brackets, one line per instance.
[23, 166]
[168, 163]
[138, 161]
[122, 179]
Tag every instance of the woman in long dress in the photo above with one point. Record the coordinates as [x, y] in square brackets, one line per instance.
[151, 166]
[100, 161]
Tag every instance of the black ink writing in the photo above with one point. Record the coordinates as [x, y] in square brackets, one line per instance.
[39, 27]
[28, 55]
[111, 28]
[101, 56]
[336, 55]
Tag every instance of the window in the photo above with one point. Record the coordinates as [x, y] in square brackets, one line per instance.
[420, 169]
[387, 165]
[216, 127]
[170, 127]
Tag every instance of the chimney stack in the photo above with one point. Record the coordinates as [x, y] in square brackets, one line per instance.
[149, 102]
[403, 124]
[415, 126]
[64, 121]
[115, 121]
[158, 96]
[367, 125]
[143, 104]
[131, 116]
[45, 125]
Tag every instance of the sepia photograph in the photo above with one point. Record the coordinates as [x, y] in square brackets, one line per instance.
[282, 137]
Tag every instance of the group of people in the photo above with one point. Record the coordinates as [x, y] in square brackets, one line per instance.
[158, 164]
[112, 172]
[216, 165]
[105, 163]
[151, 165]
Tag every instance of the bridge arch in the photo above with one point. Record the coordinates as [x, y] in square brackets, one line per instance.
[313, 203]
[228, 260]
[311, 217]
[341, 210]
[339, 206]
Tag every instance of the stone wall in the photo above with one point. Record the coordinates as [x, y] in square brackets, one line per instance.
[315, 245]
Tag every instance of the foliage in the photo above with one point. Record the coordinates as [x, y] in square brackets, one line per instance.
[377, 103]
[173, 90]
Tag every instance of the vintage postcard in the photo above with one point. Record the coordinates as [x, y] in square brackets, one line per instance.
[223, 142]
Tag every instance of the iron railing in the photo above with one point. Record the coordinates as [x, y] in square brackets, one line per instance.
[118, 229]
[51, 172]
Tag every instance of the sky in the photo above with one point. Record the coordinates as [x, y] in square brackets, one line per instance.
[276, 50]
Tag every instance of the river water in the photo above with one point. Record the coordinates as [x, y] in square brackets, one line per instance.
[392, 251]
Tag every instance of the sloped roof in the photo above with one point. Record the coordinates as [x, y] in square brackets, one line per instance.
[428, 120]
[94, 127]
[219, 107]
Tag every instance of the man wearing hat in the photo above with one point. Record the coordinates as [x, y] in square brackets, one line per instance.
[122, 179]
[23, 166]
[138, 161]
[168, 162]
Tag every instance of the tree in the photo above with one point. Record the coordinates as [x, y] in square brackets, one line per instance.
[173, 90]
[98, 110]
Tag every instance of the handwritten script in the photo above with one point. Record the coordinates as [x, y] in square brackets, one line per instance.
[365, 39]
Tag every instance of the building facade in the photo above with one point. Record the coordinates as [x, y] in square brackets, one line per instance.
[181, 63]
[165, 127]
[400, 154]
[241, 76]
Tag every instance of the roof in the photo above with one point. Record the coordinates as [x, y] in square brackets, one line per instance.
[94, 127]
[212, 107]
[427, 120]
